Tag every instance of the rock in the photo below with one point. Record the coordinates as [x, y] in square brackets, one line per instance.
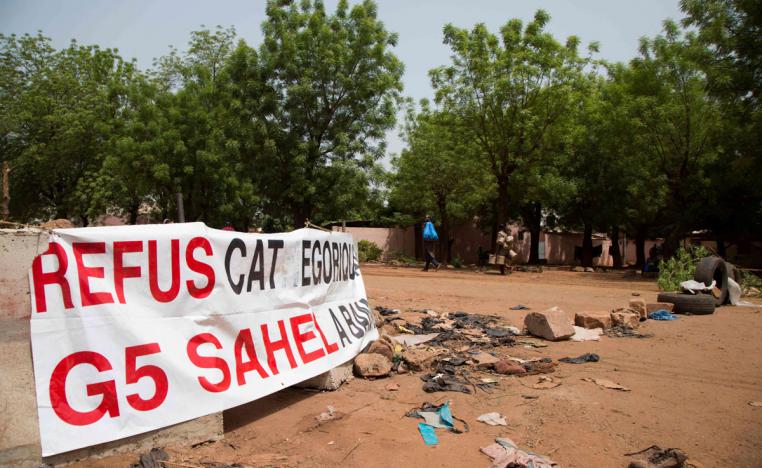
[372, 365]
[625, 318]
[593, 320]
[589, 269]
[552, 324]
[654, 306]
[508, 367]
[389, 329]
[578, 269]
[378, 319]
[484, 360]
[419, 358]
[639, 305]
[383, 348]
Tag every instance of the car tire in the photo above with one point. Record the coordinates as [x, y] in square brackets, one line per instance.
[713, 269]
[699, 304]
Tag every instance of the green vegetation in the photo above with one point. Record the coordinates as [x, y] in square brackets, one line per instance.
[368, 251]
[524, 126]
[681, 267]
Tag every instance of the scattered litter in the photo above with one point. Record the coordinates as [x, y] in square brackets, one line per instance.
[435, 417]
[488, 380]
[386, 312]
[585, 334]
[402, 329]
[532, 344]
[734, 292]
[439, 382]
[662, 314]
[587, 357]
[529, 397]
[412, 340]
[520, 307]
[505, 453]
[493, 419]
[657, 456]
[636, 294]
[152, 459]
[428, 434]
[621, 331]
[543, 366]
[757, 404]
[327, 415]
[695, 287]
[545, 383]
[607, 384]
[331, 442]
[392, 387]
[484, 360]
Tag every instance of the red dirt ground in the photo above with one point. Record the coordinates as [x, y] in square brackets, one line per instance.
[691, 383]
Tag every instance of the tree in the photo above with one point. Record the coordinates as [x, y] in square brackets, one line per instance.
[509, 91]
[676, 125]
[438, 172]
[335, 84]
[729, 31]
[65, 108]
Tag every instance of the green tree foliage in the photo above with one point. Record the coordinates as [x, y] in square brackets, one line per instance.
[60, 110]
[335, 84]
[510, 90]
[439, 172]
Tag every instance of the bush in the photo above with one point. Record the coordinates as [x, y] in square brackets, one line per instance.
[457, 262]
[402, 258]
[368, 251]
[750, 284]
[679, 268]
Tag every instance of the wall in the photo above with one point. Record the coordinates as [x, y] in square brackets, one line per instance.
[390, 240]
[19, 431]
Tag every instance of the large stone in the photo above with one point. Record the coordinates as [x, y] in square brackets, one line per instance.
[382, 347]
[593, 320]
[508, 367]
[331, 380]
[552, 324]
[372, 365]
[638, 304]
[419, 358]
[654, 306]
[625, 318]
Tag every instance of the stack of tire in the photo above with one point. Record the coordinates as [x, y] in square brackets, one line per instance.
[708, 269]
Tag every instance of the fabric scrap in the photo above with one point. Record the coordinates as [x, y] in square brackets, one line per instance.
[428, 434]
[587, 357]
[493, 419]
[662, 314]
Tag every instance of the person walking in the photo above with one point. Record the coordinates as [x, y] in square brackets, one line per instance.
[504, 247]
[430, 236]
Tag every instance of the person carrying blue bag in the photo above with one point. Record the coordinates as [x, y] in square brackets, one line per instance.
[430, 236]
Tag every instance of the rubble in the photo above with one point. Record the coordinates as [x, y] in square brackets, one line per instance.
[509, 367]
[372, 365]
[484, 360]
[593, 320]
[418, 359]
[383, 348]
[552, 324]
[625, 317]
[654, 306]
[639, 306]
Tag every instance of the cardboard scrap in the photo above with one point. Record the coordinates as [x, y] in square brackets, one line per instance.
[607, 384]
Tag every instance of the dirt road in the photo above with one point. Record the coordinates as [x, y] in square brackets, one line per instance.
[691, 383]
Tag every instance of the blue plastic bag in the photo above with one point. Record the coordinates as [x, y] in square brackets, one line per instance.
[429, 233]
[662, 314]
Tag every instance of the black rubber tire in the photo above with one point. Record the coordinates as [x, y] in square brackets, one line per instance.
[699, 304]
[713, 269]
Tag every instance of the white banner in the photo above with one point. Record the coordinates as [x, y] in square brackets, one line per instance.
[135, 328]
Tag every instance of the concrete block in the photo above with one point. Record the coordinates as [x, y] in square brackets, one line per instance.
[18, 247]
[552, 324]
[330, 380]
[593, 320]
[19, 430]
[654, 306]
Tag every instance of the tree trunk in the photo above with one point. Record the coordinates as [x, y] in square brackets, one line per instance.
[301, 213]
[587, 246]
[531, 214]
[5, 211]
[640, 249]
[180, 207]
[444, 235]
[134, 214]
[502, 199]
[616, 252]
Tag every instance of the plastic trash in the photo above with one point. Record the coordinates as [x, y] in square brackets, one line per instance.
[662, 314]
[428, 434]
[587, 357]
[695, 287]
[734, 292]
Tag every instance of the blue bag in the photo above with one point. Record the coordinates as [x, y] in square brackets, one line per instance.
[429, 233]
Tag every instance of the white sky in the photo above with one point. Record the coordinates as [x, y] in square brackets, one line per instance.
[144, 29]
